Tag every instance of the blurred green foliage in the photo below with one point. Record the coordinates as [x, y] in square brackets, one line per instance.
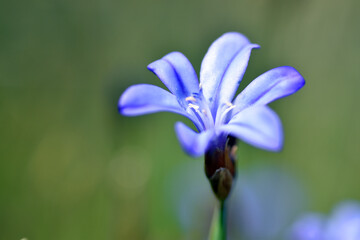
[72, 168]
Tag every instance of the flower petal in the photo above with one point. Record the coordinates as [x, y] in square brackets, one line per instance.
[145, 98]
[218, 59]
[234, 73]
[193, 143]
[309, 227]
[276, 83]
[258, 126]
[177, 73]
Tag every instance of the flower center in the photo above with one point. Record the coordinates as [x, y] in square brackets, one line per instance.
[198, 107]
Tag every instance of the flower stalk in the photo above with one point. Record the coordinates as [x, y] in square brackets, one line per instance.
[222, 219]
[218, 229]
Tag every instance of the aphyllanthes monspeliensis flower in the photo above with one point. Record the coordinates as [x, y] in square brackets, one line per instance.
[343, 224]
[210, 104]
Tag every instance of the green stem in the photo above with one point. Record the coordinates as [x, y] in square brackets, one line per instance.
[218, 225]
[222, 221]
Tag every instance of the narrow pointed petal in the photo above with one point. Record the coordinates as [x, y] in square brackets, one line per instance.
[193, 143]
[258, 126]
[234, 74]
[274, 84]
[217, 60]
[177, 73]
[144, 98]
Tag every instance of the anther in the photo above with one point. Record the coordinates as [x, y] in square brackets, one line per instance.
[196, 107]
[190, 99]
[233, 151]
[229, 104]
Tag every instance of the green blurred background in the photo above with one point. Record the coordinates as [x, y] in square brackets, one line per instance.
[72, 168]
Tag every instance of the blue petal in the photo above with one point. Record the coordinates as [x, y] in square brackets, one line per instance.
[309, 227]
[193, 143]
[177, 73]
[144, 98]
[274, 84]
[217, 61]
[234, 73]
[258, 126]
[345, 222]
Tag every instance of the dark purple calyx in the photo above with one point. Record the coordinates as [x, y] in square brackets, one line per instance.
[220, 168]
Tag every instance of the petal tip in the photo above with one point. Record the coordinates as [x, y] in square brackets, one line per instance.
[119, 107]
[234, 34]
[295, 73]
[151, 66]
[122, 101]
[299, 78]
[255, 46]
[278, 148]
[174, 53]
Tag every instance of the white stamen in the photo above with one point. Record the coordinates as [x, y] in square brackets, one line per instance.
[200, 110]
[190, 99]
[228, 109]
[221, 118]
[196, 107]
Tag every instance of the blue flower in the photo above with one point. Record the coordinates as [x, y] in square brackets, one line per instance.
[343, 224]
[210, 103]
